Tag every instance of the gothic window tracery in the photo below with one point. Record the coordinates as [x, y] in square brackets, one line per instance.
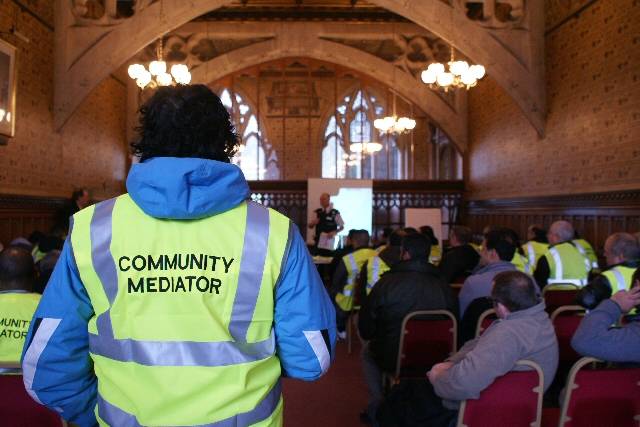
[255, 156]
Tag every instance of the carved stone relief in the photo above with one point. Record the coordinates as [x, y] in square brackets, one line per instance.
[106, 12]
[494, 14]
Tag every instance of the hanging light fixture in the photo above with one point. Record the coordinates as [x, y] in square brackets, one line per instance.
[459, 75]
[394, 124]
[365, 147]
[157, 74]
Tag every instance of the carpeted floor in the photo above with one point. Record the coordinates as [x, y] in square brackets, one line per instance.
[335, 400]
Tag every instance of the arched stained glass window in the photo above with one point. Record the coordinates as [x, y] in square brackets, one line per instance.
[256, 157]
[348, 133]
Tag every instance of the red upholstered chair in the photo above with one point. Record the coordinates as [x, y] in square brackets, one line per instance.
[513, 400]
[428, 337]
[18, 409]
[601, 396]
[566, 320]
[559, 294]
[485, 320]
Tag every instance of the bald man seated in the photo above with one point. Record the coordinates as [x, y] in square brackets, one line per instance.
[562, 262]
[17, 302]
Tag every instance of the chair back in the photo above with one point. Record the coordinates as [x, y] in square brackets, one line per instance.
[485, 320]
[17, 408]
[428, 337]
[559, 294]
[601, 396]
[566, 320]
[514, 400]
[456, 288]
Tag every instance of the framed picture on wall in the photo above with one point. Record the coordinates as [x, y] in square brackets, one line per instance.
[7, 89]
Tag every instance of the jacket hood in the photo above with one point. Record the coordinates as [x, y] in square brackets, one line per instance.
[186, 188]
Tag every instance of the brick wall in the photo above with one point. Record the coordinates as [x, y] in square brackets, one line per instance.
[592, 140]
[89, 151]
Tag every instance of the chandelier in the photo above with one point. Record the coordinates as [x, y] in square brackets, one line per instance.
[460, 74]
[365, 147]
[157, 74]
[394, 124]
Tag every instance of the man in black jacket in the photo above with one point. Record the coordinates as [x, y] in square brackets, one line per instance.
[411, 285]
[461, 258]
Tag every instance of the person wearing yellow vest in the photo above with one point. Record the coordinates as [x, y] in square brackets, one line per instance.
[181, 302]
[622, 252]
[537, 244]
[17, 302]
[379, 264]
[344, 278]
[563, 262]
[586, 249]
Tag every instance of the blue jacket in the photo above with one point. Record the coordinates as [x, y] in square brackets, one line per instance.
[57, 369]
[596, 338]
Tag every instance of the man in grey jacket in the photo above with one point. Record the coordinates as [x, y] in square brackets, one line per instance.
[596, 338]
[523, 331]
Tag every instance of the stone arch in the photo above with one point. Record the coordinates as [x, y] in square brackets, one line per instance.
[452, 122]
[86, 55]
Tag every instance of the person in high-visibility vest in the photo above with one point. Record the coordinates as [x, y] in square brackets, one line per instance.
[181, 302]
[587, 250]
[537, 244]
[622, 252]
[562, 262]
[18, 302]
[377, 265]
[344, 278]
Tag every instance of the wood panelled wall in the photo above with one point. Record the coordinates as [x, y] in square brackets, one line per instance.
[21, 215]
[595, 216]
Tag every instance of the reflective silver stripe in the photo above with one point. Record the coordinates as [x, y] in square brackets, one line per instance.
[579, 247]
[583, 251]
[532, 254]
[181, 353]
[558, 262]
[576, 282]
[354, 269]
[115, 416]
[620, 279]
[103, 263]
[30, 363]
[376, 272]
[254, 253]
[347, 292]
[186, 353]
[319, 346]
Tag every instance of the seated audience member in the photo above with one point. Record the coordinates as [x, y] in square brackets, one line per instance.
[17, 302]
[524, 331]
[461, 259]
[436, 254]
[411, 285]
[45, 267]
[519, 258]
[622, 252]
[376, 266]
[341, 251]
[537, 244]
[21, 242]
[497, 251]
[345, 276]
[585, 249]
[596, 337]
[562, 262]
[384, 238]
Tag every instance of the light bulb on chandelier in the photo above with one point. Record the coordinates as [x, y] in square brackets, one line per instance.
[394, 124]
[157, 74]
[460, 74]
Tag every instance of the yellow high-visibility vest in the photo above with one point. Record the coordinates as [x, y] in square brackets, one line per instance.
[182, 331]
[16, 311]
[353, 263]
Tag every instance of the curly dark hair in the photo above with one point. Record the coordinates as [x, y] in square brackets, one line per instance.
[185, 121]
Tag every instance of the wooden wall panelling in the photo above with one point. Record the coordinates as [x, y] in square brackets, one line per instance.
[22, 215]
[594, 215]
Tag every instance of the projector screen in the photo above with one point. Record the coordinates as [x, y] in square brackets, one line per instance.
[352, 197]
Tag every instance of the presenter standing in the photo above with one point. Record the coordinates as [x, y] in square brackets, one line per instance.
[327, 223]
